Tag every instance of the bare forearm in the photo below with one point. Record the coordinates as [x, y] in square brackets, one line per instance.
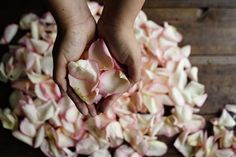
[69, 12]
[122, 11]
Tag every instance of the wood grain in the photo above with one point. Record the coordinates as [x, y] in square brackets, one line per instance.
[190, 3]
[208, 25]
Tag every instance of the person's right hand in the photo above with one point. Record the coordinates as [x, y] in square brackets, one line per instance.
[72, 40]
[76, 31]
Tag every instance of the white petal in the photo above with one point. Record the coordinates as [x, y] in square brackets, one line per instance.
[156, 148]
[177, 97]
[114, 134]
[39, 137]
[87, 146]
[101, 153]
[226, 119]
[26, 139]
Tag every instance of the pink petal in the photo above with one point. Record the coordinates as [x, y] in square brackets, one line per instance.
[47, 90]
[27, 128]
[9, 33]
[100, 53]
[113, 82]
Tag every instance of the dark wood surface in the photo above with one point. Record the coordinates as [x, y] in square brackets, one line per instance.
[208, 25]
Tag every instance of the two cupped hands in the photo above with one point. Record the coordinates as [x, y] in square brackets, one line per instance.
[76, 35]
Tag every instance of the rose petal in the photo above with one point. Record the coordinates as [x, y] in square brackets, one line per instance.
[9, 119]
[101, 153]
[62, 140]
[124, 151]
[39, 137]
[87, 146]
[84, 90]
[177, 96]
[40, 46]
[99, 53]
[30, 112]
[231, 108]
[3, 75]
[37, 78]
[171, 33]
[114, 134]
[113, 82]
[26, 139]
[9, 33]
[27, 128]
[84, 70]
[26, 20]
[156, 148]
[226, 119]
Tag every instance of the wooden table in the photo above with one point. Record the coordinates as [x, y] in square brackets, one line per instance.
[208, 25]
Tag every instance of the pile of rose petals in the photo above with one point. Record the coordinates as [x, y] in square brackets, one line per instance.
[166, 102]
[97, 75]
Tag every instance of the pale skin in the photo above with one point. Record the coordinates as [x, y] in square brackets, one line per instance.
[77, 29]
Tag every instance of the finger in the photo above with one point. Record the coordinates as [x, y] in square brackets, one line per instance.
[59, 72]
[133, 69]
[91, 109]
[103, 105]
[78, 102]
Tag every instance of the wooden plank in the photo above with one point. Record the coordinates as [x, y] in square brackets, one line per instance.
[211, 32]
[186, 3]
[198, 15]
[219, 80]
[190, 3]
[209, 39]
